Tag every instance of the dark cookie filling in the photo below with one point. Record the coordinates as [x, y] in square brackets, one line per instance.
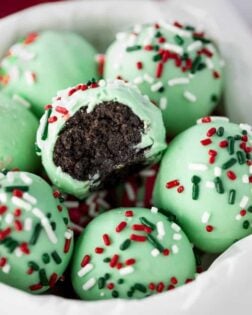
[101, 142]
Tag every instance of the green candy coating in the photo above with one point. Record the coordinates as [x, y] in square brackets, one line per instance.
[72, 99]
[179, 69]
[33, 255]
[205, 180]
[17, 136]
[103, 269]
[39, 65]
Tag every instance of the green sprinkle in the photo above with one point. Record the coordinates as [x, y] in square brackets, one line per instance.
[246, 224]
[53, 225]
[195, 192]
[45, 131]
[35, 235]
[244, 132]
[214, 98]
[170, 216]
[250, 209]
[45, 258]
[125, 244]
[196, 179]
[115, 294]
[10, 243]
[231, 143]
[241, 157]
[179, 40]
[42, 277]
[49, 215]
[34, 266]
[145, 221]
[106, 260]
[155, 242]
[196, 63]
[219, 185]
[231, 196]
[161, 90]
[120, 281]
[56, 257]
[133, 48]
[220, 131]
[190, 28]
[248, 156]
[203, 40]
[107, 276]
[101, 283]
[229, 163]
[130, 293]
[201, 66]
[11, 188]
[157, 57]
[156, 47]
[140, 287]
[158, 34]
[65, 220]
[237, 137]
[185, 56]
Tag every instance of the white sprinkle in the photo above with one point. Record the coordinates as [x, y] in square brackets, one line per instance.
[147, 173]
[190, 96]
[194, 46]
[156, 86]
[26, 179]
[197, 167]
[163, 103]
[121, 36]
[2, 176]
[205, 217]
[68, 234]
[155, 252]
[18, 252]
[10, 177]
[49, 231]
[246, 127]
[138, 80]
[89, 284]
[244, 201]
[131, 40]
[24, 54]
[103, 203]
[175, 249]
[126, 270]
[6, 268]
[245, 179]
[3, 197]
[30, 77]
[71, 204]
[175, 227]
[178, 81]
[9, 218]
[250, 169]
[154, 210]
[38, 213]
[217, 171]
[177, 236]
[28, 224]
[148, 78]
[14, 73]
[210, 184]
[137, 28]
[176, 30]
[85, 270]
[160, 230]
[102, 83]
[20, 203]
[175, 48]
[29, 198]
[209, 63]
[238, 217]
[130, 191]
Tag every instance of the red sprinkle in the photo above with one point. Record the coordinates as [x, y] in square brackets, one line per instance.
[180, 189]
[206, 119]
[2, 209]
[4, 233]
[216, 74]
[106, 239]
[170, 287]
[212, 152]
[243, 212]
[223, 144]
[172, 184]
[141, 227]
[72, 91]
[110, 286]
[17, 212]
[138, 238]
[67, 245]
[244, 138]
[152, 286]
[17, 193]
[119, 265]
[160, 287]
[148, 47]
[206, 141]
[61, 110]
[18, 226]
[250, 179]
[56, 194]
[209, 228]
[211, 132]
[49, 106]
[35, 287]
[206, 52]
[85, 260]
[24, 248]
[139, 65]
[3, 261]
[211, 159]
[130, 261]
[166, 252]
[53, 279]
[161, 40]
[121, 226]
[129, 213]
[174, 280]
[159, 70]
[231, 175]
[177, 24]
[59, 208]
[52, 119]
[114, 261]
[99, 250]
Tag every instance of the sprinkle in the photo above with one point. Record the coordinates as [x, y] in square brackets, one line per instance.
[172, 184]
[229, 163]
[231, 175]
[206, 141]
[21, 101]
[190, 96]
[195, 192]
[86, 259]
[145, 221]
[121, 226]
[52, 119]
[56, 257]
[238, 217]
[223, 144]
[177, 236]
[29, 198]
[246, 224]
[126, 270]
[133, 48]
[217, 171]
[26, 179]
[244, 202]
[175, 249]
[159, 69]
[61, 110]
[36, 231]
[130, 191]
[194, 46]
[21, 204]
[155, 252]
[209, 228]
[205, 217]
[175, 227]
[45, 129]
[231, 196]
[211, 132]
[154, 210]
[197, 167]
[219, 185]
[160, 230]
[220, 131]
[30, 77]
[114, 261]
[99, 250]
[138, 80]
[106, 239]
[156, 86]
[245, 179]
[137, 238]
[178, 81]
[148, 78]
[210, 184]
[163, 103]
[155, 242]
[139, 65]
[130, 262]
[89, 284]
[129, 213]
[85, 270]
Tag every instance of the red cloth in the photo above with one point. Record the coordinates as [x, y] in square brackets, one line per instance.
[11, 6]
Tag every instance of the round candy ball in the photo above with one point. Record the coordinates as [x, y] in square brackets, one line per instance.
[179, 68]
[205, 180]
[40, 64]
[131, 253]
[18, 129]
[93, 135]
[35, 242]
